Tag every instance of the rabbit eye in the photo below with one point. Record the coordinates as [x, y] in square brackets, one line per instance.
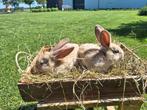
[115, 51]
[44, 61]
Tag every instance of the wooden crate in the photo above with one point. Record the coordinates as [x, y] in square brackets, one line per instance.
[88, 92]
[106, 91]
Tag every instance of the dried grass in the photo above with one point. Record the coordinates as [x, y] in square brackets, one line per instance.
[130, 65]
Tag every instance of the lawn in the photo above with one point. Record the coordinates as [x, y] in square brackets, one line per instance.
[29, 31]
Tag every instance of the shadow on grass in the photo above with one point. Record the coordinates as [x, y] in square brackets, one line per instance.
[136, 30]
[34, 107]
[28, 107]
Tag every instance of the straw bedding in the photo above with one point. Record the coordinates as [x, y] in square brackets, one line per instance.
[131, 65]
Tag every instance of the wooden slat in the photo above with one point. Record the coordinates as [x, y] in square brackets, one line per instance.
[62, 91]
[89, 103]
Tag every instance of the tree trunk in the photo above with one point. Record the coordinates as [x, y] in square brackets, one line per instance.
[7, 8]
[43, 5]
[30, 7]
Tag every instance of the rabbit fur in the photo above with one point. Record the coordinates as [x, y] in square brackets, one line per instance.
[58, 59]
[99, 58]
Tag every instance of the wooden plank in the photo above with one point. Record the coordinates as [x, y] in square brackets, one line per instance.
[62, 91]
[89, 103]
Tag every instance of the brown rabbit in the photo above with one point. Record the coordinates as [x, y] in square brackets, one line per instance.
[58, 59]
[100, 58]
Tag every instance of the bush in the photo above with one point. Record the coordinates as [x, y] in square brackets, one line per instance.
[37, 7]
[143, 11]
[35, 10]
[40, 10]
[49, 9]
[54, 9]
[44, 9]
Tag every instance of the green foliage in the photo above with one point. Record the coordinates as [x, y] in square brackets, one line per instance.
[16, 3]
[39, 10]
[54, 9]
[13, 2]
[49, 9]
[43, 2]
[143, 11]
[7, 1]
[44, 9]
[29, 2]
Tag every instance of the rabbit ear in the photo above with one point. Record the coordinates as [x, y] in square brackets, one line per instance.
[105, 38]
[46, 48]
[98, 30]
[62, 52]
[61, 44]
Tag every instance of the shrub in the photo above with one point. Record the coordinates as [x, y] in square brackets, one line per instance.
[54, 9]
[35, 10]
[44, 9]
[40, 10]
[36, 7]
[48, 9]
[143, 11]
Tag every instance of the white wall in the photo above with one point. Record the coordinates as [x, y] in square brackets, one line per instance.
[91, 4]
[122, 3]
[95, 4]
[68, 3]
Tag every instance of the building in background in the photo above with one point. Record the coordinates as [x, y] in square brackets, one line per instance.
[88, 4]
[54, 4]
[104, 4]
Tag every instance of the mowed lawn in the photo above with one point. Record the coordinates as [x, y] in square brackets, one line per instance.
[29, 31]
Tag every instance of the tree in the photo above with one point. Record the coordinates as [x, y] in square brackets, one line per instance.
[16, 3]
[7, 3]
[29, 2]
[42, 2]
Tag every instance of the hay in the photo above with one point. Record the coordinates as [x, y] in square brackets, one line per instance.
[130, 65]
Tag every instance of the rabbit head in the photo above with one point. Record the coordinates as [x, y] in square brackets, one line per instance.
[112, 51]
[50, 58]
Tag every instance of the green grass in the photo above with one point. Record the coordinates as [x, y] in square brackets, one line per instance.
[23, 31]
